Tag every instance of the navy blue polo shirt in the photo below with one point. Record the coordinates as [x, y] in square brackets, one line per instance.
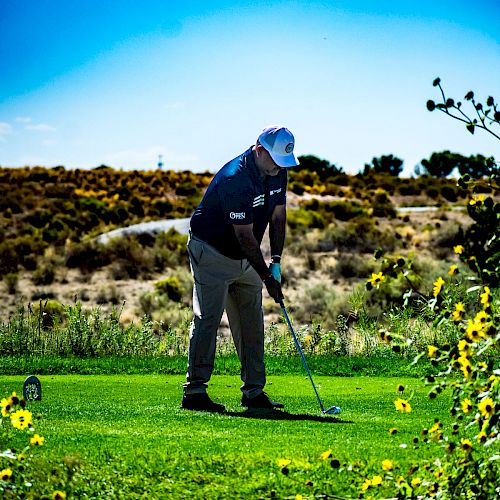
[239, 195]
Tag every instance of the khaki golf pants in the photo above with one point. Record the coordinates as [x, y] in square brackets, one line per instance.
[234, 285]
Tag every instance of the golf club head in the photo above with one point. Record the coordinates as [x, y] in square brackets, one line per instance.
[333, 410]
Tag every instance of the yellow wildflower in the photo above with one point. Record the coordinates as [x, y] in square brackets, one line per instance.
[466, 405]
[432, 351]
[6, 403]
[482, 366]
[463, 347]
[465, 366]
[308, 339]
[486, 296]
[283, 462]
[481, 317]
[400, 480]
[377, 279]
[453, 270]
[415, 482]
[458, 313]
[435, 427]
[493, 381]
[21, 419]
[474, 330]
[402, 405]
[477, 199]
[326, 454]
[37, 440]
[438, 285]
[6, 474]
[387, 465]
[298, 496]
[366, 484]
[58, 495]
[487, 407]
[376, 480]
[481, 437]
[466, 445]
[458, 249]
[393, 430]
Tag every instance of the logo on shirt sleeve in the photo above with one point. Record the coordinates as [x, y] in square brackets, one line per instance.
[275, 191]
[237, 215]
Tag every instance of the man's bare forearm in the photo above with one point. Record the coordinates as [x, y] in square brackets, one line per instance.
[277, 230]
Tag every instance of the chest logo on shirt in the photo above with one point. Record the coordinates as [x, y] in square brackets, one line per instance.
[275, 191]
[237, 215]
[258, 200]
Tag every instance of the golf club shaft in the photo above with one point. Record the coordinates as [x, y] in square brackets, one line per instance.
[301, 354]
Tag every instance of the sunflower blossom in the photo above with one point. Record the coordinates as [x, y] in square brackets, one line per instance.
[432, 351]
[466, 445]
[465, 366]
[21, 419]
[464, 347]
[377, 279]
[438, 285]
[402, 405]
[486, 296]
[487, 407]
[37, 440]
[387, 465]
[6, 474]
[458, 313]
[366, 484]
[474, 330]
[477, 199]
[466, 405]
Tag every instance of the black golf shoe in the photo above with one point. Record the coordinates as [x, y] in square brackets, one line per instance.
[201, 402]
[260, 401]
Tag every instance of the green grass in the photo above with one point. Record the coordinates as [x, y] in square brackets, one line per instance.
[130, 438]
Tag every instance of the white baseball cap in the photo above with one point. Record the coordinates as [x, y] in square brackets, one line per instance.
[279, 143]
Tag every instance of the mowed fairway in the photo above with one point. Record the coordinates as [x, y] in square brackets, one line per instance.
[131, 438]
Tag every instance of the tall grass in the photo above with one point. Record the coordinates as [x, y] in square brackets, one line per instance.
[48, 329]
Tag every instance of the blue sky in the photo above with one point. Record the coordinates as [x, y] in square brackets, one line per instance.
[84, 83]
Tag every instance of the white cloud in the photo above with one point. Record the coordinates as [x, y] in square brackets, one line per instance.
[5, 129]
[49, 142]
[40, 127]
[23, 119]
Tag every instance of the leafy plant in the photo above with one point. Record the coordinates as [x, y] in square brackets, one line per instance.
[483, 117]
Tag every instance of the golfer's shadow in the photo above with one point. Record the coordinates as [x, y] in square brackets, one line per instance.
[270, 414]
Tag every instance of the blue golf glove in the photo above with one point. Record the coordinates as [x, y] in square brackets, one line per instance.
[275, 270]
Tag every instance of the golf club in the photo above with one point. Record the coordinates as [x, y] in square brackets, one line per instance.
[333, 410]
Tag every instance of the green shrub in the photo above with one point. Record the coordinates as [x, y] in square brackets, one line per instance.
[449, 193]
[171, 287]
[9, 259]
[48, 312]
[11, 280]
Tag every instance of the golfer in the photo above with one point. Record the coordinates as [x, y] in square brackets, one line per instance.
[244, 197]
